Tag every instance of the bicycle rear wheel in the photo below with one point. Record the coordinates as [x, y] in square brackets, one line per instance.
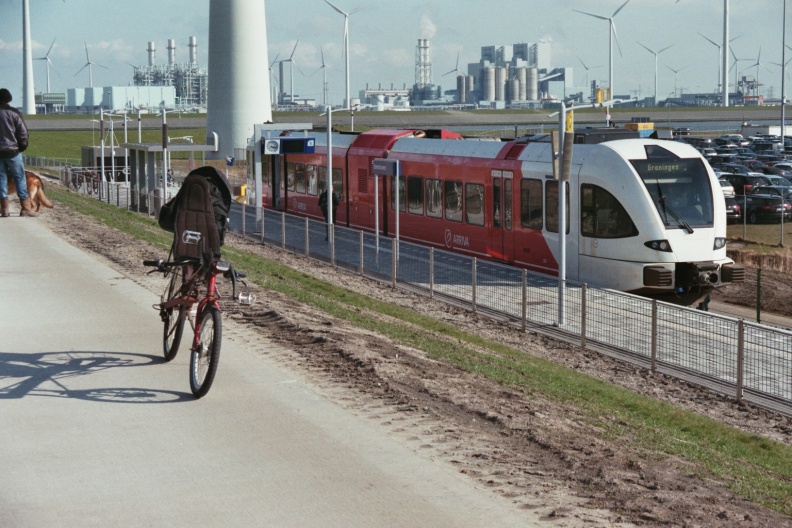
[173, 318]
[206, 354]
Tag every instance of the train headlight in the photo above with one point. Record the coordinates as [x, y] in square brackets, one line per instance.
[659, 245]
[720, 243]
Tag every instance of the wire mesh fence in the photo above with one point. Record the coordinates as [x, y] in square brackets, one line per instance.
[749, 362]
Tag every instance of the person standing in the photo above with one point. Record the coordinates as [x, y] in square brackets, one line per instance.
[13, 141]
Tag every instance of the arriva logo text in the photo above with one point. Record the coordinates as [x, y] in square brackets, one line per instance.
[452, 240]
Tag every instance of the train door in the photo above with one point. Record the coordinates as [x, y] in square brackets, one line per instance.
[501, 238]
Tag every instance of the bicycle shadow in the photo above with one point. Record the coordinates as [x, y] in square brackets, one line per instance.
[47, 374]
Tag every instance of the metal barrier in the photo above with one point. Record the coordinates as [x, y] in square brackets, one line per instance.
[750, 362]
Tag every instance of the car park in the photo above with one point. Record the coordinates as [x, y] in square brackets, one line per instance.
[778, 180]
[736, 139]
[785, 191]
[733, 211]
[764, 208]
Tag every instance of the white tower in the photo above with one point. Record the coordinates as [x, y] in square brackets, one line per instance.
[28, 95]
[238, 73]
[423, 64]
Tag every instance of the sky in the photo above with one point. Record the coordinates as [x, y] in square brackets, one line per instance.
[383, 37]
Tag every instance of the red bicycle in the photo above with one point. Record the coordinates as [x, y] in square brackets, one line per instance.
[192, 295]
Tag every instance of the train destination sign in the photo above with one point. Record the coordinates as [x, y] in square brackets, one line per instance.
[385, 167]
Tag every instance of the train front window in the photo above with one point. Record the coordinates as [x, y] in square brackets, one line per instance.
[602, 216]
[680, 190]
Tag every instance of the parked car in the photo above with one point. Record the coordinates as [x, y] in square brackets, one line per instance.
[785, 191]
[727, 188]
[733, 211]
[764, 208]
[743, 183]
[778, 180]
[736, 139]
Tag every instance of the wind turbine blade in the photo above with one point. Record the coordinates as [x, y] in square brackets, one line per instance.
[662, 50]
[647, 49]
[361, 8]
[81, 69]
[584, 13]
[295, 49]
[50, 48]
[622, 7]
[583, 63]
[273, 62]
[335, 7]
[709, 40]
[86, 52]
[616, 37]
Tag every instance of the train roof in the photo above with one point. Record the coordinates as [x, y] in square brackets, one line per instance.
[448, 147]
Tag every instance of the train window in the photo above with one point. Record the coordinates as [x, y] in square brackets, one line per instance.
[290, 175]
[434, 198]
[531, 214]
[310, 173]
[415, 199]
[266, 173]
[680, 189]
[322, 179]
[453, 200]
[299, 177]
[474, 204]
[338, 182]
[497, 210]
[551, 206]
[602, 215]
[401, 194]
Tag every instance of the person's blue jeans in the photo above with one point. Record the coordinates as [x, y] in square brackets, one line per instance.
[15, 168]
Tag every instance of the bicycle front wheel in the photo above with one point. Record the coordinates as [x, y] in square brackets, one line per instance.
[173, 318]
[206, 354]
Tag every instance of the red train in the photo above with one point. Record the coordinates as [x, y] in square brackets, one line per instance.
[643, 216]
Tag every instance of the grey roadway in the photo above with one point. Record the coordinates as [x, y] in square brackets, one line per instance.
[96, 430]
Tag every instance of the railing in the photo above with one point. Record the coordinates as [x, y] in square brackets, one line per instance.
[747, 361]
[750, 362]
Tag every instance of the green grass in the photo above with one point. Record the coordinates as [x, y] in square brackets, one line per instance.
[753, 467]
[68, 144]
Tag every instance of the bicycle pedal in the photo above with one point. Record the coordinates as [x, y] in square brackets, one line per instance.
[246, 298]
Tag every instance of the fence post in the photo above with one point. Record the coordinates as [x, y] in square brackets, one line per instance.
[583, 290]
[473, 283]
[307, 237]
[524, 299]
[394, 261]
[283, 230]
[262, 224]
[431, 273]
[654, 336]
[243, 219]
[740, 358]
[362, 253]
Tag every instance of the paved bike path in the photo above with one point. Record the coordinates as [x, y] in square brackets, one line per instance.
[96, 430]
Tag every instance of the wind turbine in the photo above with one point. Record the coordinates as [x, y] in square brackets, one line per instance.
[273, 99]
[757, 64]
[675, 76]
[736, 70]
[655, 53]
[88, 64]
[720, 57]
[347, 103]
[48, 63]
[456, 68]
[612, 35]
[323, 67]
[292, 65]
[586, 68]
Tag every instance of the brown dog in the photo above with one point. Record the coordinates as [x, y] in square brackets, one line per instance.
[35, 188]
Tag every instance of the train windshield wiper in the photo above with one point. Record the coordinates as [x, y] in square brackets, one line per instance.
[668, 208]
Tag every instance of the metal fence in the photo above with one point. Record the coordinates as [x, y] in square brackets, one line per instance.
[747, 361]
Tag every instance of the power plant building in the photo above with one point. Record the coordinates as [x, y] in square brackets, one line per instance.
[150, 98]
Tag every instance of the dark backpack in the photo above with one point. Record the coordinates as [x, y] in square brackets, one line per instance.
[202, 204]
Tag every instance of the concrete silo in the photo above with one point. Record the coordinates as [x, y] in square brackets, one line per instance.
[239, 82]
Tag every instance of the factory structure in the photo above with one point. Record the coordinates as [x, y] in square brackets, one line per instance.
[506, 76]
[173, 84]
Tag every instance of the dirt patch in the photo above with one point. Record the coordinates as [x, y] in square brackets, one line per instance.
[541, 455]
